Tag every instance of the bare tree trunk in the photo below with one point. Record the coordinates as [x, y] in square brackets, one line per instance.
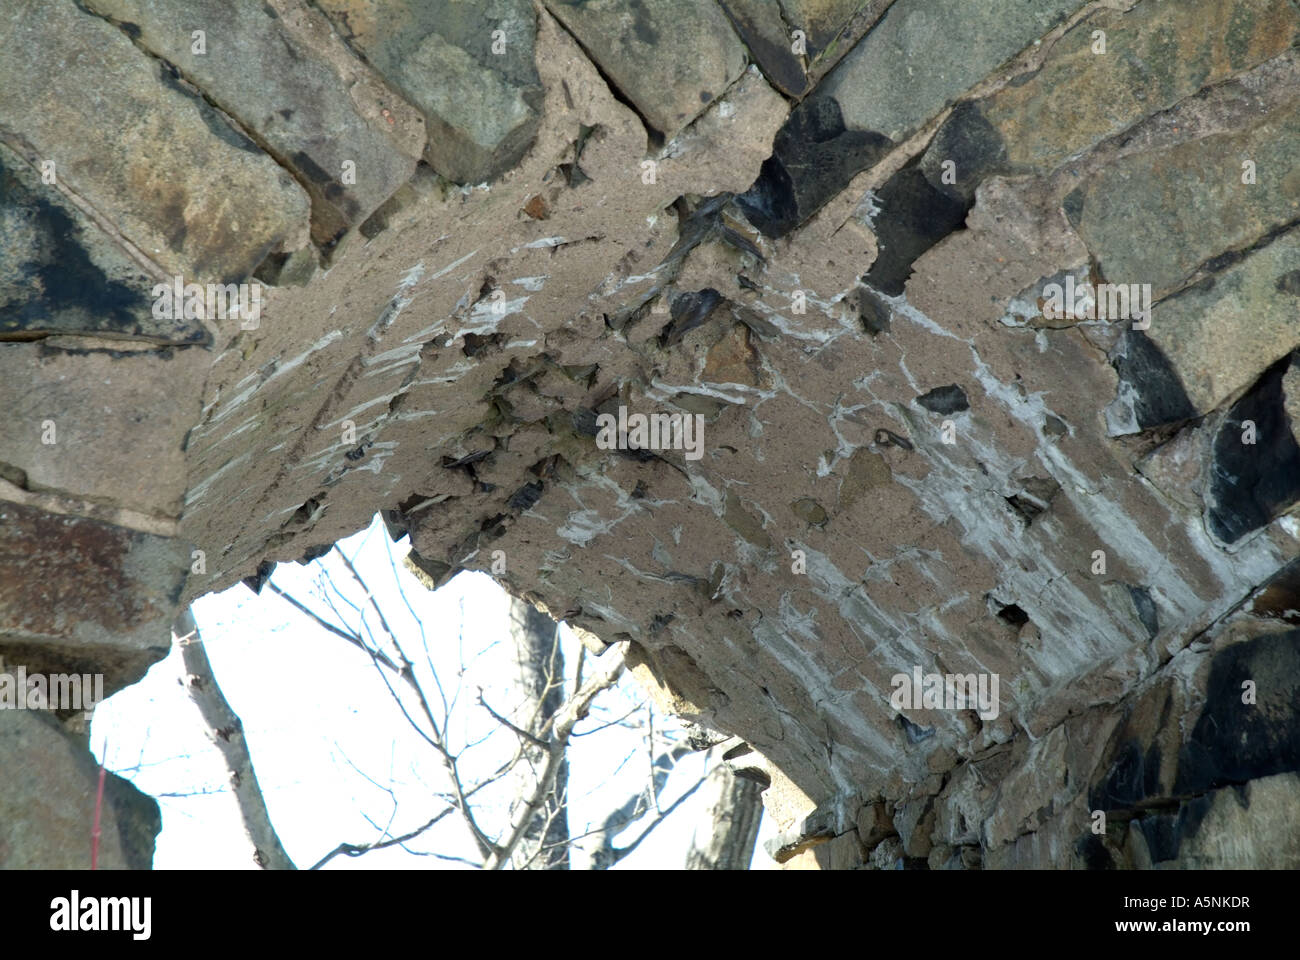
[539, 664]
[725, 841]
[227, 732]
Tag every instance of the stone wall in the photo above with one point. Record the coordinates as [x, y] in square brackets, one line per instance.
[829, 229]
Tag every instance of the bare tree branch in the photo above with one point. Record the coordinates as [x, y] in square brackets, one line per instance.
[517, 731]
[360, 849]
[573, 710]
[606, 855]
[351, 638]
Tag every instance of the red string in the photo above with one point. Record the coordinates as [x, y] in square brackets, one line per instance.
[99, 806]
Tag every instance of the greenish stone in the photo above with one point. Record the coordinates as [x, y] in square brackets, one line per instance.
[925, 53]
[153, 158]
[296, 104]
[1155, 217]
[466, 64]
[866, 470]
[810, 511]
[671, 58]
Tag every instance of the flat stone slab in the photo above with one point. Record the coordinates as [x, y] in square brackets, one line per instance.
[1155, 55]
[924, 53]
[80, 596]
[1146, 217]
[1220, 334]
[910, 65]
[768, 37]
[60, 273]
[628, 40]
[190, 191]
[468, 67]
[298, 103]
[99, 424]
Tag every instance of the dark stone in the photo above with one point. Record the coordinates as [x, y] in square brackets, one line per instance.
[874, 312]
[973, 145]
[759, 25]
[466, 460]
[949, 399]
[813, 158]
[1164, 832]
[584, 422]
[60, 274]
[1034, 498]
[914, 217]
[885, 437]
[756, 324]
[1146, 609]
[315, 553]
[1280, 596]
[1160, 395]
[1234, 742]
[434, 572]
[1073, 204]
[688, 311]
[139, 821]
[1094, 854]
[915, 733]
[395, 524]
[1250, 484]
[258, 580]
[1013, 615]
[480, 343]
[1289, 283]
[526, 496]
[1132, 778]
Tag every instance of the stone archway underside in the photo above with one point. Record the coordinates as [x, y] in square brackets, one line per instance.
[840, 261]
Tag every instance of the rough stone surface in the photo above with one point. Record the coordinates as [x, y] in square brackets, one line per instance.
[907, 465]
[84, 596]
[916, 32]
[628, 40]
[85, 420]
[60, 273]
[1254, 473]
[268, 67]
[467, 66]
[1144, 218]
[793, 63]
[192, 194]
[1155, 55]
[1249, 306]
[47, 806]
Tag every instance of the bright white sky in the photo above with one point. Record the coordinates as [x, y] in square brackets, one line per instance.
[319, 722]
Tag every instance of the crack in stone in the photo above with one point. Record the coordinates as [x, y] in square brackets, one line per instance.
[187, 84]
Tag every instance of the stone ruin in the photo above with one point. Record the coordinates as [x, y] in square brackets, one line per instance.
[987, 308]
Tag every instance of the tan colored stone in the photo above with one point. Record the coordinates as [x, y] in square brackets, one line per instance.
[90, 421]
[192, 193]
